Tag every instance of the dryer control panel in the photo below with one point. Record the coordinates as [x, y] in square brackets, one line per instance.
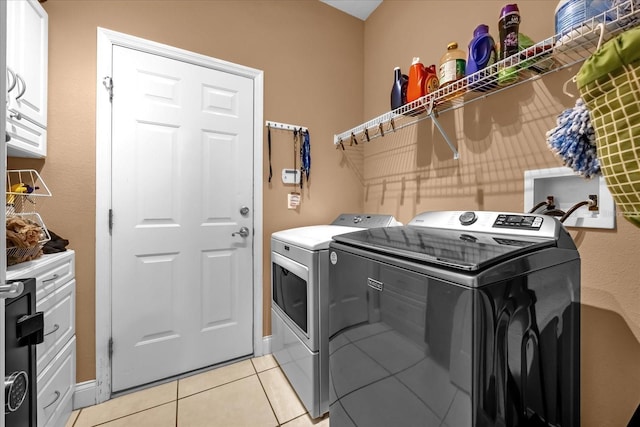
[366, 220]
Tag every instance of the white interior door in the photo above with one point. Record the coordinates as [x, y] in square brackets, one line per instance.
[182, 142]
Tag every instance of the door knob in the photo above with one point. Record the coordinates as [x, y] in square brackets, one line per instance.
[243, 232]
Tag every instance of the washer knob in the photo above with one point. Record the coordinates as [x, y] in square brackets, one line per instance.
[468, 218]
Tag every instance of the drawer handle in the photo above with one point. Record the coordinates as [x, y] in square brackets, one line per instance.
[55, 399]
[24, 86]
[54, 277]
[55, 328]
[13, 76]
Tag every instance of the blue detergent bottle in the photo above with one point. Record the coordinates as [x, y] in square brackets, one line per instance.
[399, 89]
[482, 53]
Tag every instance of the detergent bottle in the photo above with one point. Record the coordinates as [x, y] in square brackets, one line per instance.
[452, 64]
[415, 86]
[482, 53]
[431, 81]
[452, 69]
[508, 26]
[399, 89]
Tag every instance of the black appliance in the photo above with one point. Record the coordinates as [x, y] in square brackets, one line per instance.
[457, 319]
[23, 331]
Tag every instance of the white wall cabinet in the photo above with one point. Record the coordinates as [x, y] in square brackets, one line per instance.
[56, 356]
[27, 73]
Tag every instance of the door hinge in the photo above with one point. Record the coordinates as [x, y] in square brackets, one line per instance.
[108, 84]
[110, 220]
[110, 348]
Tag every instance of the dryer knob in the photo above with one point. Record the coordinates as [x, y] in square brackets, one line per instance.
[468, 218]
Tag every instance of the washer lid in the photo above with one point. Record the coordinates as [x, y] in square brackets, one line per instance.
[313, 237]
[457, 249]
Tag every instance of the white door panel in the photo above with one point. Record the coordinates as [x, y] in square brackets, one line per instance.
[181, 283]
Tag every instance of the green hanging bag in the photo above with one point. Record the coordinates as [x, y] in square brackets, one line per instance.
[609, 84]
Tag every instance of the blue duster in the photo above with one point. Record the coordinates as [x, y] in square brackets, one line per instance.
[574, 140]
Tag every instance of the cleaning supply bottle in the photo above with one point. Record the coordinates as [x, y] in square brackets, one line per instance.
[415, 86]
[452, 68]
[431, 81]
[452, 64]
[482, 53]
[399, 89]
[508, 26]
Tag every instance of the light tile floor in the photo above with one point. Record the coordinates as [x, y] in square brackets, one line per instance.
[250, 393]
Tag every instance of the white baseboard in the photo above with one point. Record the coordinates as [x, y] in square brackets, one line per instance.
[84, 395]
[266, 345]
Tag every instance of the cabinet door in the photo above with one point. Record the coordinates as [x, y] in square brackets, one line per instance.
[27, 63]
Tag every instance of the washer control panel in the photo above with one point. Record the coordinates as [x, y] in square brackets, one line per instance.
[518, 221]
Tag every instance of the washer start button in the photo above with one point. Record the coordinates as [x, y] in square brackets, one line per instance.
[468, 218]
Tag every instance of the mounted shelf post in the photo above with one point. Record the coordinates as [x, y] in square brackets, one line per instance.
[456, 154]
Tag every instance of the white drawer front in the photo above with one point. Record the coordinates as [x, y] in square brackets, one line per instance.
[50, 271]
[56, 385]
[58, 274]
[59, 322]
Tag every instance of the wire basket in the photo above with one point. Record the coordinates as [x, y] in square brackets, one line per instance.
[26, 235]
[26, 191]
[609, 84]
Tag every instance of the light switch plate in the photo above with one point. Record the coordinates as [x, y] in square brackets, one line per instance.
[567, 189]
[290, 176]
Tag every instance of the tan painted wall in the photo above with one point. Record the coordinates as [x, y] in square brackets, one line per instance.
[312, 59]
[499, 138]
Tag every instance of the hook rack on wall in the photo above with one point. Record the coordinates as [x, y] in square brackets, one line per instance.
[284, 126]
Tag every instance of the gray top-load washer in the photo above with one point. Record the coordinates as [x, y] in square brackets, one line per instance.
[456, 319]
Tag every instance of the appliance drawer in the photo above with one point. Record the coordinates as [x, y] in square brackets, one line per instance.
[56, 385]
[59, 322]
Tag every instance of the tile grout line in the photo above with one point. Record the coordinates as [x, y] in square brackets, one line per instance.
[177, 396]
[267, 396]
[257, 374]
[214, 387]
[128, 415]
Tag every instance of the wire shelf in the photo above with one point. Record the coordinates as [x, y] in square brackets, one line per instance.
[552, 54]
[25, 191]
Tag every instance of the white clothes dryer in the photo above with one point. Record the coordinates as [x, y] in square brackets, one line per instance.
[300, 303]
